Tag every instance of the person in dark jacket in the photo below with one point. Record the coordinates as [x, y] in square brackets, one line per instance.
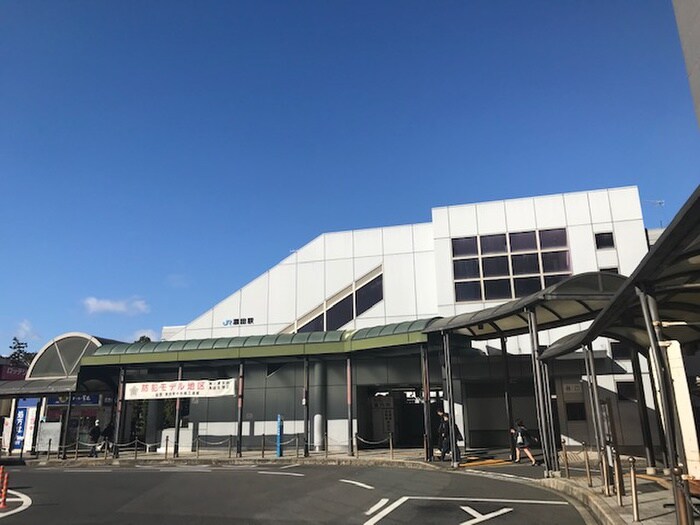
[94, 434]
[523, 442]
[444, 434]
[108, 435]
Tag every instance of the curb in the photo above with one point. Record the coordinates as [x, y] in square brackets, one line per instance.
[596, 505]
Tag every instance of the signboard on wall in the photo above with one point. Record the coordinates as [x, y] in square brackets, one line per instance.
[20, 428]
[76, 400]
[174, 389]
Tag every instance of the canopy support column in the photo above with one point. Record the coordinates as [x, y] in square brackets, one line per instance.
[239, 423]
[305, 403]
[593, 399]
[449, 387]
[178, 403]
[121, 387]
[64, 429]
[643, 415]
[348, 370]
[507, 396]
[539, 393]
[425, 379]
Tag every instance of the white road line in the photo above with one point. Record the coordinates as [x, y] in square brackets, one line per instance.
[290, 466]
[26, 503]
[280, 473]
[368, 487]
[493, 500]
[87, 470]
[377, 506]
[386, 511]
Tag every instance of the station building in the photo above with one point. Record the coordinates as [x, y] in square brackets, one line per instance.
[336, 339]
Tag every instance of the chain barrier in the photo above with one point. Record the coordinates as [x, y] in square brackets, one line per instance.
[366, 442]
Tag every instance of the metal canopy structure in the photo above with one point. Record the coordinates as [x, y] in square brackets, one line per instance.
[577, 299]
[670, 272]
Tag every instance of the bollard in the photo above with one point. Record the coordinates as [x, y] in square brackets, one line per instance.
[633, 488]
[605, 473]
[619, 482]
[425, 447]
[167, 442]
[136, 450]
[587, 461]
[77, 443]
[106, 449]
[391, 445]
[296, 445]
[230, 446]
[357, 446]
[3, 496]
[48, 451]
[566, 458]
[325, 444]
[196, 446]
[263, 445]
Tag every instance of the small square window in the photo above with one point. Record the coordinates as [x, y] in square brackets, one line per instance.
[525, 263]
[466, 268]
[464, 246]
[527, 286]
[493, 244]
[549, 280]
[626, 391]
[468, 291]
[553, 238]
[495, 266]
[555, 262]
[497, 289]
[523, 242]
[604, 240]
[575, 412]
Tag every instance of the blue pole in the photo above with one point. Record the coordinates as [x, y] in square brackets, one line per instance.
[280, 432]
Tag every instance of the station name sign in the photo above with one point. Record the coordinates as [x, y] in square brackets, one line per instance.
[185, 388]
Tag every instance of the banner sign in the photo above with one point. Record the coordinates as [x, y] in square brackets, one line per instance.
[77, 400]
[20, 426]
[185, 388]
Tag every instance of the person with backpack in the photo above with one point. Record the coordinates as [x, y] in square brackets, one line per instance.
[444, 434]
[523, 442]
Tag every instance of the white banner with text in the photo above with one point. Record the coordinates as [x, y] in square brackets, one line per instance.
[184, 388]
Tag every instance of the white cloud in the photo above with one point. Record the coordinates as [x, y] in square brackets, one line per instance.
[25, 331]
[151, 334]
[134, 306]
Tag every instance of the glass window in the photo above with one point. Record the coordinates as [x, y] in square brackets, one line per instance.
[497, 289]
[468, 291]
[553, 238]
[464, 246]
[466, 268]
[612, 269]
[555, 262]
[575, 412]
[495, 266]
[526, 286]
[339, 314]
[369, 295]
[526, 263]
[626, 391]
[620, 350]
[493, 243]
[523, 241]
[604, 240]
[315, 325]
[549, 280]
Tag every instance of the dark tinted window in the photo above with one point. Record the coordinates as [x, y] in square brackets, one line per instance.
[495, 266]
[369, 295]
[620, 351]
[464, 246]
[612, 269]
[604, 240]
[524, 264]
[497, 289]
[626, 391]
[523, 241]
[552, 239]
[466, 269]
[469, 291]
[315, 325]
[493, 244]
[549, 280]
[575, 412]
[339, 314]
[527, 286]
[555, 262]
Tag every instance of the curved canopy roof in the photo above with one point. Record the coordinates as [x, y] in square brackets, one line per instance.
[577, 299]
[670, 273]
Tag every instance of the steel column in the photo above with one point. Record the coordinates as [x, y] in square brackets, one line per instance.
[121, 387]
[348, 370]
[539, 392]
[239, 426]
[425, 380]
[305, 403]
[642, 407]
[507, 396]
[65, 428]
[176, 444]
[450, 397]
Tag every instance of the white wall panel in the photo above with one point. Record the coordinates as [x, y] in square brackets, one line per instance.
[550, 211]
[399, 285]
[520, 215]
[423, 240]
[338, 276]
[172, 333]
[338, 245]
[202, 333]
[631, 244]
[254, 299]
[253, 329]
[282, 294]
[400, 319]
[376, 313]
[426, 293]
[312, 251]
[491, 217]
[276, 328]
[447, 310]
[364, 265]
[398, 239]
[290, 259]
[441, 224]
[221, 331]
[607, 259]
[310, 286]
[444, 281]
[367, 242]
[582, 249]
[625, 204]
[577, 209]
[602, 227]
[600, 206]
[203, 321]
[462, 221]
[229, 308]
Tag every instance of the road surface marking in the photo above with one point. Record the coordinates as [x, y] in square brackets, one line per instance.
[479, 517]
[280, 473]
[387, 511]
[25, 500]
[378, 506]
[357, 483]
[290, 466]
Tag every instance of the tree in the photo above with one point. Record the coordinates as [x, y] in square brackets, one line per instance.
[144, 339]
[19, 353]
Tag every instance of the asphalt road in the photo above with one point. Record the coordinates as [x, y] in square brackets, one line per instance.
[187, 495]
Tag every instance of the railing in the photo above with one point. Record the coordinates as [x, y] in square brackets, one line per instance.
[389, 439]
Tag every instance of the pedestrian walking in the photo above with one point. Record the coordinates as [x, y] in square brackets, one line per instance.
[108, 436]
[445, 443]
[95, 433]
[523, 442]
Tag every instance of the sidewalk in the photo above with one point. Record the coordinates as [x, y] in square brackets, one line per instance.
[653, 491]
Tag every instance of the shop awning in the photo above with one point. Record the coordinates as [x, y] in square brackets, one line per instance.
[577, 299]
[670, 273]
[37, 387]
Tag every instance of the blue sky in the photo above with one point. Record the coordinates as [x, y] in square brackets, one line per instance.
[156, 156]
